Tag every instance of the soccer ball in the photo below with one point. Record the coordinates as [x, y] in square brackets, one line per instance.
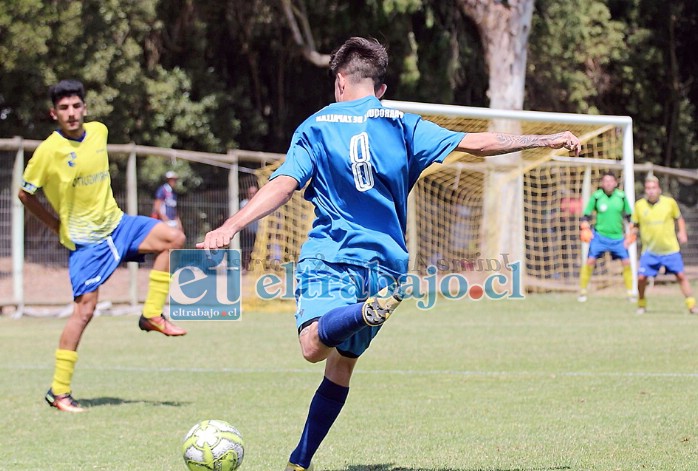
[213, 445]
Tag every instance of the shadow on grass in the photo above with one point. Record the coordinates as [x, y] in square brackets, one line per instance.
[116, 401]
[391, 467]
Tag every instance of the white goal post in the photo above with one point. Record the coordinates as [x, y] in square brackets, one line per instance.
[599, 135]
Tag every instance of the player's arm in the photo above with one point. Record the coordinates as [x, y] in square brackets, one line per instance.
[585, 232]
[682, 234]
[630, 232]
[157, 210]
[34, 206]
[493, 143]
[268, 199]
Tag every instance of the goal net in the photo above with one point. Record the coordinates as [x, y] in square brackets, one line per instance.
[474, 214]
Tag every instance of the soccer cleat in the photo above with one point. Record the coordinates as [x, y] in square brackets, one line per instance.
[641, 306]
[377, 309]
[582, 298]
[632, 297]
[294, 467]
[160, 324]
[63, 402]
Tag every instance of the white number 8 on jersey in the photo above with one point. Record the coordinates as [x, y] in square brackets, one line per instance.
[361, 162]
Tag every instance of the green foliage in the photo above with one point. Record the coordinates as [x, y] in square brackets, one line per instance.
[571, 45]
[151, 174]
[218, 75]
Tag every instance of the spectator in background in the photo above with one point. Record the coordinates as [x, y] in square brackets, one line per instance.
[165, 204]
[249, 233]
[571, 209]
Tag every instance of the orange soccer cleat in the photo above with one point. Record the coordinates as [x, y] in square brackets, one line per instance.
[160, 324]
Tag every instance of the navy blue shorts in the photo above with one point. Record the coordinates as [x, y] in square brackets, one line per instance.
[650, 263]
[599, 245]
[91, 265]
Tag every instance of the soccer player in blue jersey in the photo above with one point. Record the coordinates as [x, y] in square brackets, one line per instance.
[71, 167]
[357, 162]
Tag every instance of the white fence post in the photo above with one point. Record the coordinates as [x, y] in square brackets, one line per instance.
[132, 209]
[18, 231]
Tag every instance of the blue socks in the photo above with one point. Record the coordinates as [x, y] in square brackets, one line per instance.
[324, 409]
[340, 323]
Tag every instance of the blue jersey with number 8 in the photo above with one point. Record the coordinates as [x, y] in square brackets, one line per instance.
[359, 161]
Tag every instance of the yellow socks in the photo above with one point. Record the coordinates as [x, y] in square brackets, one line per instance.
[585, 276]
[63, 374]
[158, 287]
[628, 278]
[690, 302]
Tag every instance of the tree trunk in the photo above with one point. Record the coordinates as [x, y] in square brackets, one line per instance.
[504, 27]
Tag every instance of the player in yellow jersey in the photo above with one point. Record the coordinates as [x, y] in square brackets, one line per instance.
[72, 168]
[656, 217]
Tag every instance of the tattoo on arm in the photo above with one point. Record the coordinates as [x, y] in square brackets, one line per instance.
[515, 143]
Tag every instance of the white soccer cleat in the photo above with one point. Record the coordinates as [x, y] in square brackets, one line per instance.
[582, 298]
[641, 306]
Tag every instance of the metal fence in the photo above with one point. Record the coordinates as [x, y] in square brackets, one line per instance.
[33, 264]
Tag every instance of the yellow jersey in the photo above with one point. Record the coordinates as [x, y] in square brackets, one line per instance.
[657, 225]
[74, 176]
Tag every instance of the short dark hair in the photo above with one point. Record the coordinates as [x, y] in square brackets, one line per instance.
[609, 173]
[66, 88]
[359, 58]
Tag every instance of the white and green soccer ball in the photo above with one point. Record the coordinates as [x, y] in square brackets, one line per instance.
[213, 445]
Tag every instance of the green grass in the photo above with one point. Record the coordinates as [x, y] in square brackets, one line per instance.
[540, 384]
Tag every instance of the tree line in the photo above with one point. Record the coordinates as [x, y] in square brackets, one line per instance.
[244, 73]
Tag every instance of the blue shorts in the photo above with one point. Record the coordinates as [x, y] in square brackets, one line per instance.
[599, 245]
[322, 286]
[91, 265]
[650, 263]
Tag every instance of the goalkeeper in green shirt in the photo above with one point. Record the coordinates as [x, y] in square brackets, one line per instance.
[609, 233]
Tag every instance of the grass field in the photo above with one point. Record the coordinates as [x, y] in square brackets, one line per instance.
[540, 384]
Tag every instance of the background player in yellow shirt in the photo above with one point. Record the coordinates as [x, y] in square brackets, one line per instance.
[72, 168]
[655, 217]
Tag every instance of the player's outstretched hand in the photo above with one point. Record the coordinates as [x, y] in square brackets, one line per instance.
[217, 239]
[567, 140]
